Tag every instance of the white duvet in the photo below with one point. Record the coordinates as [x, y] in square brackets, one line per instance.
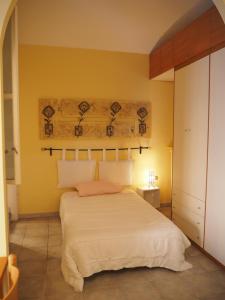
[111, 232]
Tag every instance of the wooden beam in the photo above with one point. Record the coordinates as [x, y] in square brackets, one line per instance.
[203, 36]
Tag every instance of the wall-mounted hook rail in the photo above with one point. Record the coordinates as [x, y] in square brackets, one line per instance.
[51, 149]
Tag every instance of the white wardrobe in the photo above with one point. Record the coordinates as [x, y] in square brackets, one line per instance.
[198, 198]
[215, 202]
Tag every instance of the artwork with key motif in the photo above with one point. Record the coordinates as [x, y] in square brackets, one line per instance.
[76, 118]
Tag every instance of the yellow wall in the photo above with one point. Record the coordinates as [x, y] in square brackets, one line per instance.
[62, 72]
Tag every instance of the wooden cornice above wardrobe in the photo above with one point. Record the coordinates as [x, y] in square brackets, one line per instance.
[203, 36]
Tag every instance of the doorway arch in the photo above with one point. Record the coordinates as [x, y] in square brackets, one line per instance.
[6, 8]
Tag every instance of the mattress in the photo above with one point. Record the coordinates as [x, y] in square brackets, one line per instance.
[111, 232]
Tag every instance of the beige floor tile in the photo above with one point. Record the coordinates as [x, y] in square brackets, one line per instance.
[55, 229]
[203, 285]
[192, 251]
[55, 240]
[118, 278]
[32, 268]
[18, 225]
[54, 251]
[161, 274]
[219, 277]
[31, 287]
[133, 276]
[200, 264]
[215, 297]
[101, 280]
[208, 264]
[16, 238]
[104, 294]
[16, 230]
[141, 292]
[57, 286]
[37, 225]
[74, 296]
[34, 254]
[173, 289]
[54, 267]
[15, 249]
[36, 232]
[41, 277]
[166, 211]
[34, 242]
[34, 298]
[128, 277]
[197, 267]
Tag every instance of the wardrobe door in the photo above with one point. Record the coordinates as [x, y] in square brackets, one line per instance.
[190, 148]
[215, 203]
[191, 128]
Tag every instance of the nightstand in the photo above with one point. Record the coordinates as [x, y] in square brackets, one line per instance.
[151, 195]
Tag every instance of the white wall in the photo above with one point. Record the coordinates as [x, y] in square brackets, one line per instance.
[220, 4]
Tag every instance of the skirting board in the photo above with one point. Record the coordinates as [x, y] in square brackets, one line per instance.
[166, 204]
[38, 215]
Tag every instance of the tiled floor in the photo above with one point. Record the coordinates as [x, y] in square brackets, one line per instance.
[167, 211]
[38, 246]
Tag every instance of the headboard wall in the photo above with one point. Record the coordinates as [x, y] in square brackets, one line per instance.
[62, 73]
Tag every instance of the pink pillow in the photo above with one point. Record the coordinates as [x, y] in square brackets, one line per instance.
[97, 188]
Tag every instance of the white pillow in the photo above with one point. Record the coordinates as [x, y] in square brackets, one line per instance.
[71, 172]
[116, 171]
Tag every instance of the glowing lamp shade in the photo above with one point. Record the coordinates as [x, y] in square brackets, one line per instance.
[151, 178]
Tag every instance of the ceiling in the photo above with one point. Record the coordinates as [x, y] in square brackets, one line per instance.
[135, 26]
[166, 76]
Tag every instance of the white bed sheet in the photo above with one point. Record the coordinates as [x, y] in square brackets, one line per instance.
[111, 232]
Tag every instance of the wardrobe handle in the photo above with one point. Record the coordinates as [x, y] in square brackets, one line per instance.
[198, 223]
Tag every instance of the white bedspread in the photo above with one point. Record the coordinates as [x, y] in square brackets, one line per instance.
[111, 232]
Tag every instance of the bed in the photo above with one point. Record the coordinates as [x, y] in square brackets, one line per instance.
[115, 231]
